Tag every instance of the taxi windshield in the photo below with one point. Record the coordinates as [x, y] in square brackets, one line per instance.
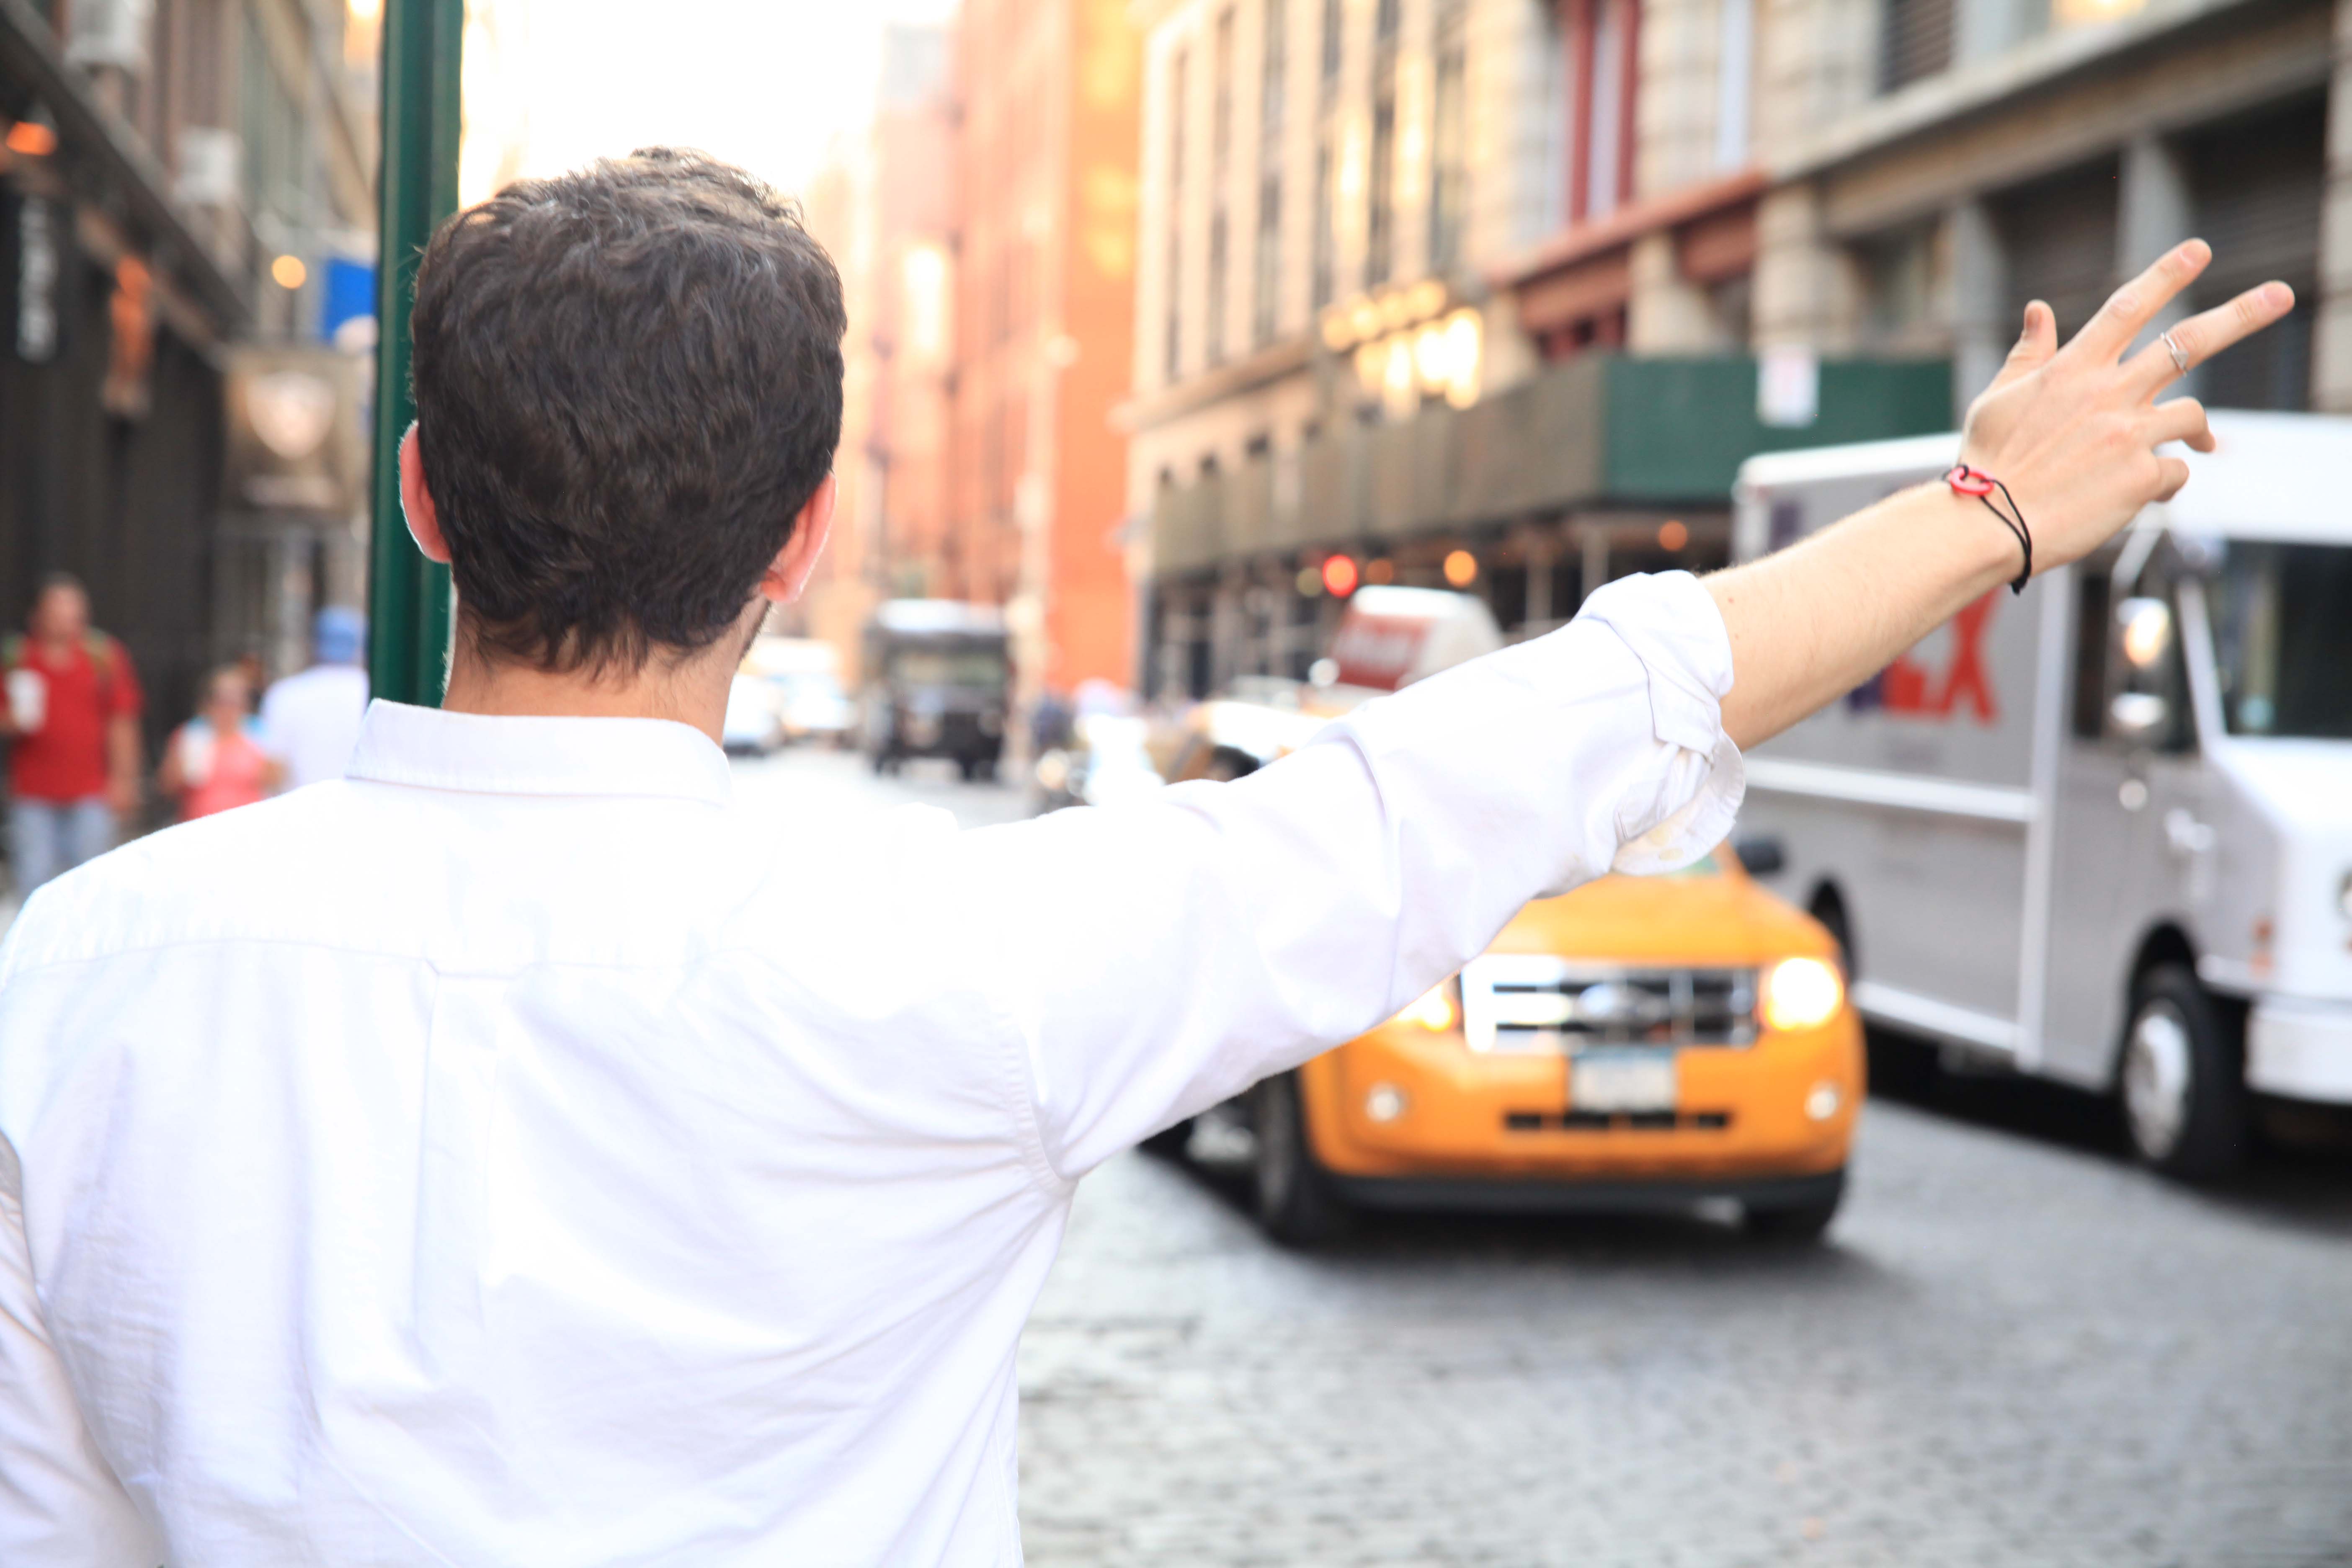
[2282, 637]
[1705, 866]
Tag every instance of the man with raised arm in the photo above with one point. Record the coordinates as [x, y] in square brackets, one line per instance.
[512, 1153]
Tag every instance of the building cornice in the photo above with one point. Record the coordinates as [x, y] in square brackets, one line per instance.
[1988, 86]
[1669, 209]
[1271, 364]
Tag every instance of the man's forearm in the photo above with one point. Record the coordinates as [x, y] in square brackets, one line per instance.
[1815, 621]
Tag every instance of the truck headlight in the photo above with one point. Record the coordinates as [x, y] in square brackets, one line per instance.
[1801, 994]
[1435, 1010]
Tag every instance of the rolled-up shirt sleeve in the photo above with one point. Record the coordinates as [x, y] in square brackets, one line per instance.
[1159, 957]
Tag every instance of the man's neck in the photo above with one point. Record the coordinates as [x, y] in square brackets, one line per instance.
[693, 693]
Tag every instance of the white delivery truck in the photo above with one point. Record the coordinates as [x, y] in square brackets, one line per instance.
[2101, 832]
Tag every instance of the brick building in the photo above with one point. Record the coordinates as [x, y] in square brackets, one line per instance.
[885, 206]
[1500, 292]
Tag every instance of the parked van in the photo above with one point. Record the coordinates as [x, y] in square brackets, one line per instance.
[2101, 832]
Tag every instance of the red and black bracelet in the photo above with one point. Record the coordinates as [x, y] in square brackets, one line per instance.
[1967, 481]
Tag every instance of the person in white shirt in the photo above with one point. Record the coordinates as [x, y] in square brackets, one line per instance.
[312, 720]
[514, 1154]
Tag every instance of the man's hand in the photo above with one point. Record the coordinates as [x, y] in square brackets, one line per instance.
[2071, 431]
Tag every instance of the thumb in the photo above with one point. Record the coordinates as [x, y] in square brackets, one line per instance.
[2033, 346]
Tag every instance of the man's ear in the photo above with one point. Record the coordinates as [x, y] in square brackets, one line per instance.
[417, 502]
[788, 574]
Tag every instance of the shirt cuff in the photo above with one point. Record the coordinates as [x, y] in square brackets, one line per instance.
[1683, 804]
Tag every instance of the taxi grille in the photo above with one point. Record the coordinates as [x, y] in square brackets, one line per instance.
[1533, 1004]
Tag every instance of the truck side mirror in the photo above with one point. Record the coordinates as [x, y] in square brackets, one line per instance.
[2138, 715]
[1761, 856]
[2145, 629]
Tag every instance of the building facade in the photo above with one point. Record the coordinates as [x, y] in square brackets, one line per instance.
[1515, 335]
[885, 206]
[1044, 302]
[179, 180]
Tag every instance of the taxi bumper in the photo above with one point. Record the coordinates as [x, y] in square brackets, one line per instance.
[1402, 1104]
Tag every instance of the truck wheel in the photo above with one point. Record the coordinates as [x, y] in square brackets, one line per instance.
[2182, 1080]
[1793, 1222]
[1295, 1204]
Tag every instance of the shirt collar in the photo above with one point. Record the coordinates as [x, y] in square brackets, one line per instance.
[427, 748]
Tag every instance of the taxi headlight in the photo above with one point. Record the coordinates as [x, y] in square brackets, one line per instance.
[1801, 994]
[1435, 1010]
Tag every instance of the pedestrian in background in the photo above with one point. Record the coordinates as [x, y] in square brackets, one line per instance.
[72, 718]
[311, 720]
[215, 760]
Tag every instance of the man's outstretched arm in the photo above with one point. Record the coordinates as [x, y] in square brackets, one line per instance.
[2071, 431]
[1158, 958]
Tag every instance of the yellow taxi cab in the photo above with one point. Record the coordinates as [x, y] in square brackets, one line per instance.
[1640, 1042]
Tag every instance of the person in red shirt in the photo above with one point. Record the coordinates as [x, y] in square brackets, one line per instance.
[70, 713]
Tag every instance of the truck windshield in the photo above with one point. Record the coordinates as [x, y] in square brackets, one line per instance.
[2282, 634]
[949, 666]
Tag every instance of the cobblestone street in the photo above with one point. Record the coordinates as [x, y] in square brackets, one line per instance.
[2015, 1349]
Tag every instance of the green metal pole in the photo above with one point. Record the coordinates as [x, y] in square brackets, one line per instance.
[408, 596]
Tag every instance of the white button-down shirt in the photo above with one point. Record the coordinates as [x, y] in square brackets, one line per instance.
[515, 1154]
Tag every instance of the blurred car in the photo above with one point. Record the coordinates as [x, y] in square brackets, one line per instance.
[1108, 762]
[1639, 1043]
[807, 674]
[755, 721]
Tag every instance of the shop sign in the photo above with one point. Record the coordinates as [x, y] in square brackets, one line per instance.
[294, 438]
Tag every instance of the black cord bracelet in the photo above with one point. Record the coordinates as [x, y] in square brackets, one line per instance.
[1967, 481]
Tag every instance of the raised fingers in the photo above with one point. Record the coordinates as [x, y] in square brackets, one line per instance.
[2134, 305]
[2203, 335]
[2183, 419]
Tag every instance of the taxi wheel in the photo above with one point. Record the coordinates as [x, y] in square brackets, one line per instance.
[1795, 1222]
[1295, 1204]
[2183, 1078]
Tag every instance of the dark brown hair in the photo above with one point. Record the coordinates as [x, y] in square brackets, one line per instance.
[628, 384]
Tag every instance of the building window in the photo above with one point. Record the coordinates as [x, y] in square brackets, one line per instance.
[1325, 257]
[1220, 143]
[1735, 67]
[1379, 220]
[1602, 45]
[1273, 106]
[2257, 189]
[1213, 349]
[1914, 41]
[1449, 137]
[1604, 40]
[1178, 82]
[1326, 229]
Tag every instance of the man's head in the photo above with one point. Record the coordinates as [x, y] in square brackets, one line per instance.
[61, 610]
[629, 387]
